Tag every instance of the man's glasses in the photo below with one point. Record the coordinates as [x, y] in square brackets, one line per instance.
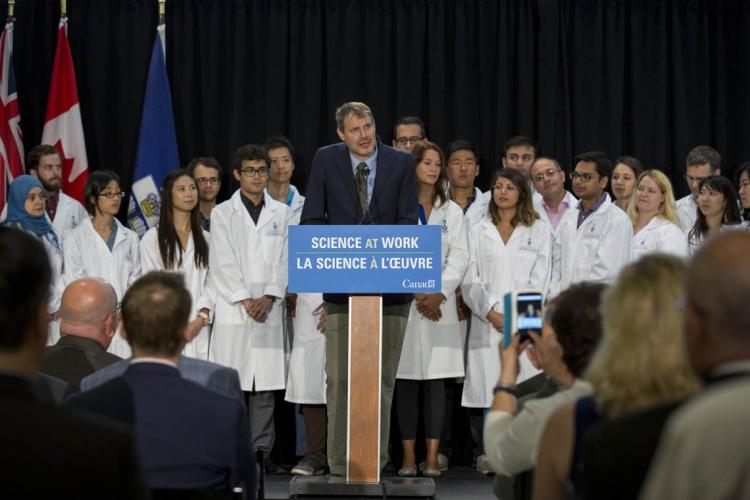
[207, 180]
[546, 173]
[251, 172]
[401, 141]
[584, 177]
[113, 194]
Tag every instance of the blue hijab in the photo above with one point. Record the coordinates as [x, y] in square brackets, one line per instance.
[17, 214]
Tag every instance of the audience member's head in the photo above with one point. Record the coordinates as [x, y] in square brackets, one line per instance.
[591, 175]
[89, 309]
[155, 312]
[641, 360]
[207, 174]
[653, 195]
[407, 131]
[701, 162]
[25, 276]
[548, 178]
[519, 153]
[577, 324]
[717, 329]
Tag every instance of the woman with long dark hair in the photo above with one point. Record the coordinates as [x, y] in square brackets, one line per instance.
[718, 210]
[178, 243]
[743, 190]
[101, 247]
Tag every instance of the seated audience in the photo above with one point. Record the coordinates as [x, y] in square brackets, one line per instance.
[48, 452]
[640, 363]
[189, 437]
[718, 210]
[88, 320]
[562, 351]
[654, 216]
[703, 453]
[627, 170]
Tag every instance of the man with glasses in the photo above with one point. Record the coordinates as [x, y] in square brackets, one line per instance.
[64, 212]
[248, 266]
[408, 131]
[701, 162]
[207, 175]
[593, 241]
[549, 181]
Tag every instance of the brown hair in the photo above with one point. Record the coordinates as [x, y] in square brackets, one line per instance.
[525, 213]
[418, 152]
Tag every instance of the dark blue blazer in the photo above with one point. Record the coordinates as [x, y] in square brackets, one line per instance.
[331, 196]
[189, 437]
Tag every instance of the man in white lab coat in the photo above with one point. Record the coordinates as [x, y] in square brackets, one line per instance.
[701, 162]
[593, 241]
[248, 265]
[64, 212]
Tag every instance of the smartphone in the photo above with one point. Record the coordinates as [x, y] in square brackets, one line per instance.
[523, 313]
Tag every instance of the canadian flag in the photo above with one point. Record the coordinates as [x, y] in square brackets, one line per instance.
[62, 125]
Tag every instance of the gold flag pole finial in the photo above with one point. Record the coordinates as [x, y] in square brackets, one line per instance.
[11, 9]
[63, 8]
[162, 11]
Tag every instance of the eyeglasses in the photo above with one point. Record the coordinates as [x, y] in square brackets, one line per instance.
[584, 177]
[116, 194]
[250, 171]
[401, 141]
[207, 180]
[546, 173]
[690, 179]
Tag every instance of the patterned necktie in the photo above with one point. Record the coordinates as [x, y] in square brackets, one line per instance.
[361, 180]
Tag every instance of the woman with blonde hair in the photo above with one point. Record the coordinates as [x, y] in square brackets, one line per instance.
[640, 363]
[653, 211]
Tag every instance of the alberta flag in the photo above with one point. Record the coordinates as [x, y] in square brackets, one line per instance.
[157, 146]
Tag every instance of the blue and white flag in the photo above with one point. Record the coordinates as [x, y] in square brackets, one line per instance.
[157, 146]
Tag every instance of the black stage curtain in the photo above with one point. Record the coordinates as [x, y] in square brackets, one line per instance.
[651, 78]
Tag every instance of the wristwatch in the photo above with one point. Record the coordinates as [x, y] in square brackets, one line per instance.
[505, 388]
[205, 316]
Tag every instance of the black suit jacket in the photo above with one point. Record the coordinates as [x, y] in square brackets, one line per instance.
[72, 358]
[189, 437]
[50, 452]
[332, 198]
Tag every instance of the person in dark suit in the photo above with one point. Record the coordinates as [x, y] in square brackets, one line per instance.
[48, 451]
[360, 181]
[88, 320]
[189, 437]
[210, 375]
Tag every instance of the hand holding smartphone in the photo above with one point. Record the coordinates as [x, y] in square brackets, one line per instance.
[523, 313]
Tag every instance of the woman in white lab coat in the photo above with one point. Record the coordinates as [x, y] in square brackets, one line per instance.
[432, 349]
[179, 244]
[653, 212]
[101, 246]
[26, 211]
[718, 210]
[509, 251]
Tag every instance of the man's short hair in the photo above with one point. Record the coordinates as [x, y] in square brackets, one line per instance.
[206, 161]
[155, 312]
[704, 155]
[36, 153]
[358, 109]
[547, 158]
[249, 152]
[25, 276]
[603, 164]
[519, 140]
[279, 141]
[459, 145]
[409, 120]
[578, 324]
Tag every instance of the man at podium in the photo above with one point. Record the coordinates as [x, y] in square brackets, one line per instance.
[359, 181]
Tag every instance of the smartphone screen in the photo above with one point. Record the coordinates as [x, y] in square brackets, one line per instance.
[529, 314]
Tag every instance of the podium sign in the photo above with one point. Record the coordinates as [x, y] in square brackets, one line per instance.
[364, 259]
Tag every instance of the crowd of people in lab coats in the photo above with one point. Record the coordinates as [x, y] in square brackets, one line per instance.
[527, 232]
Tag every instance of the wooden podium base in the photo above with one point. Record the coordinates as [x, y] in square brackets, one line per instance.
[332, 486]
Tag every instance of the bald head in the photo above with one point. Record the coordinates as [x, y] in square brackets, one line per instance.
[88, 310]
[718, 295]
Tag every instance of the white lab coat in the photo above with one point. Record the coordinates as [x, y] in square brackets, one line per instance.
[306, 381]
[477, 211]
[695, 244]
[496, 268]
[659, 235]
[687, 211]
[68, 216]
[596, 251]
[87, 256]
[196, 281]
[538, 202]
[249, 261]
[433, 349]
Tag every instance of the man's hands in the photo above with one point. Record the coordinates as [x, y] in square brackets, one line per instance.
[258, 308]
[428, 305]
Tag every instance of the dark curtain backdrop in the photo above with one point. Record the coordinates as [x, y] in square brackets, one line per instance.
[650, 78]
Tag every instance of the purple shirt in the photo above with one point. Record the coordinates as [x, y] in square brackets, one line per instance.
[583, 213]
[555, 216]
